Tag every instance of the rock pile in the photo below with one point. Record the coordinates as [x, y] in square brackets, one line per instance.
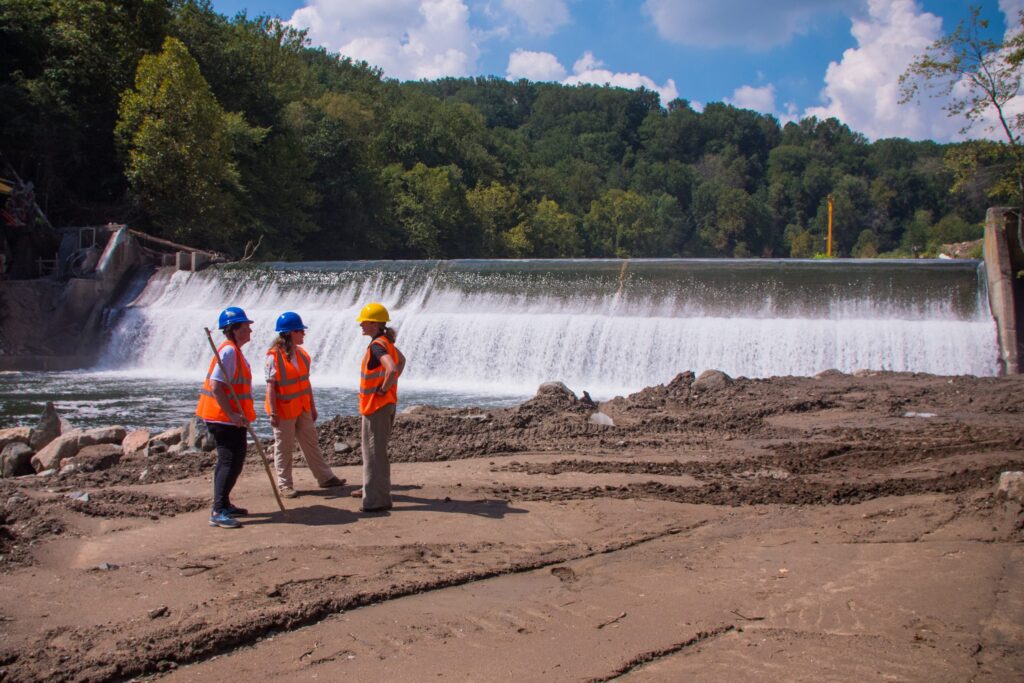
[55, 447]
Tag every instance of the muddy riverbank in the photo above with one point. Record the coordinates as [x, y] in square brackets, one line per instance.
[843, 527]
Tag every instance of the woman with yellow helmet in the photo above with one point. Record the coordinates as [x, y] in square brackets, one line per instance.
[382, 365]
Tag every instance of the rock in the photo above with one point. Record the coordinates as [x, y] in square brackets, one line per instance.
[195, 435]
[15, 435]
[341, 447]
[864, 372]
[600, 418]
[16, 460]
[1011, 486]
[414, 408]
[102, 435]
[477, 417]
[171, 436]
[15, 498]
[47, 473]
[156, 449]
[555, 389]
[68, 468]
[106, 566]
[176, 449]
[47, 429]
[80, 496]
[64, 446]
[831, 372]
[161, 611]
[135, 441]
[98, 457]
[712, 379]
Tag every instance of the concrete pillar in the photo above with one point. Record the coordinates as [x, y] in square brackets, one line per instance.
[199, 261]
[1004, 258]
[184, 261]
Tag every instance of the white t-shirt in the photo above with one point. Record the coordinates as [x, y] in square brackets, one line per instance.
[229, 358]
[270, 364]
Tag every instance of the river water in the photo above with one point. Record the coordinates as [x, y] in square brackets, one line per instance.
[487, 333]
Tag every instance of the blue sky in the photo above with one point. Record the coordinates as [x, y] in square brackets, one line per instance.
[789, 58]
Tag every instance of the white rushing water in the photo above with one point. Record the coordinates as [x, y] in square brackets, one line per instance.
[483, 328]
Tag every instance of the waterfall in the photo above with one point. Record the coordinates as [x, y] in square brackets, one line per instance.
[606, 326]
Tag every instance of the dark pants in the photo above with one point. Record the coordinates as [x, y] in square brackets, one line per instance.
[230, 459]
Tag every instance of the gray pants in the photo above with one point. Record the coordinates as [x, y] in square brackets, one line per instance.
[376, 430]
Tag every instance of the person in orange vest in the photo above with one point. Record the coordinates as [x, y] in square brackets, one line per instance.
[382, 365]
[291, 407]
[226, 418]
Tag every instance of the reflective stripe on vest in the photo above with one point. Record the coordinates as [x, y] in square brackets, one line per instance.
[370, 380]
[209, 409]
[291, 387]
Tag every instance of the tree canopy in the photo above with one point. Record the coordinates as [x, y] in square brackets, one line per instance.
[221, 131]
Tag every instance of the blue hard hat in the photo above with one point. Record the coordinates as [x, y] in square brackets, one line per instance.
[232, 315]
[289, 321]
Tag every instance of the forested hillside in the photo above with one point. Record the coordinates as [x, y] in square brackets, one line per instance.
[221, 131]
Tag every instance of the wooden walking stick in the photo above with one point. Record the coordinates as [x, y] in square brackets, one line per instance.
[255, 439]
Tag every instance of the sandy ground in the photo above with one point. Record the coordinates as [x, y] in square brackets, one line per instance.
[838, 528]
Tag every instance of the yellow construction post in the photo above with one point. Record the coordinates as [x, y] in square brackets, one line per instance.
[830, 226]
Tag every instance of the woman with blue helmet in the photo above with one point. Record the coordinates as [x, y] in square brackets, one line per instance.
[225, 403]
[291, 407]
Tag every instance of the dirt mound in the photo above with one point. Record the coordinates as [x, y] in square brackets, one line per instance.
[133, 504]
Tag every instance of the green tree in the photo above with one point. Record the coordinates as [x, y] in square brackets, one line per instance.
[977, 77]
[180, 145]
[428, 207]
[496, 209]
[548, 232]
[866, 245]
[622, 224]
[63, 65]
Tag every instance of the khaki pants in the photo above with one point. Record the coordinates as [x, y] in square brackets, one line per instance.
[303, 430]
[376, 430]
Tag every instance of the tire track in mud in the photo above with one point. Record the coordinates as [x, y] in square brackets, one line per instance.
[195, 639]
[652, 655]
[767, 491]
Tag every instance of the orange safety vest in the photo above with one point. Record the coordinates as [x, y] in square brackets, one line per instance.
[208, 408]
[370, 401]
[293, 391]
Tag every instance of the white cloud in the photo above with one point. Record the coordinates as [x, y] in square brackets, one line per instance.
[544, 66]
[762, 99]
[744, 23]
[534, 66]
[408, 39]
[588, 70]
[542, 17]
[862, 89]
[749, 97]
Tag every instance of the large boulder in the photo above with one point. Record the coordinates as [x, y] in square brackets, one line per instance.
[135, 441]
[556, 390]
[196, 436]
[48, 428]
[711, 380]
[14, 435]
[171, 436]
[97, 457]
[16, 460]
[64, 446]
[92, 437]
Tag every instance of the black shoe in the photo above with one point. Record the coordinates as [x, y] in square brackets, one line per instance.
[235, 511]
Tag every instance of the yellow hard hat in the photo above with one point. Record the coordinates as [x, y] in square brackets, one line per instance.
[374, 313]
